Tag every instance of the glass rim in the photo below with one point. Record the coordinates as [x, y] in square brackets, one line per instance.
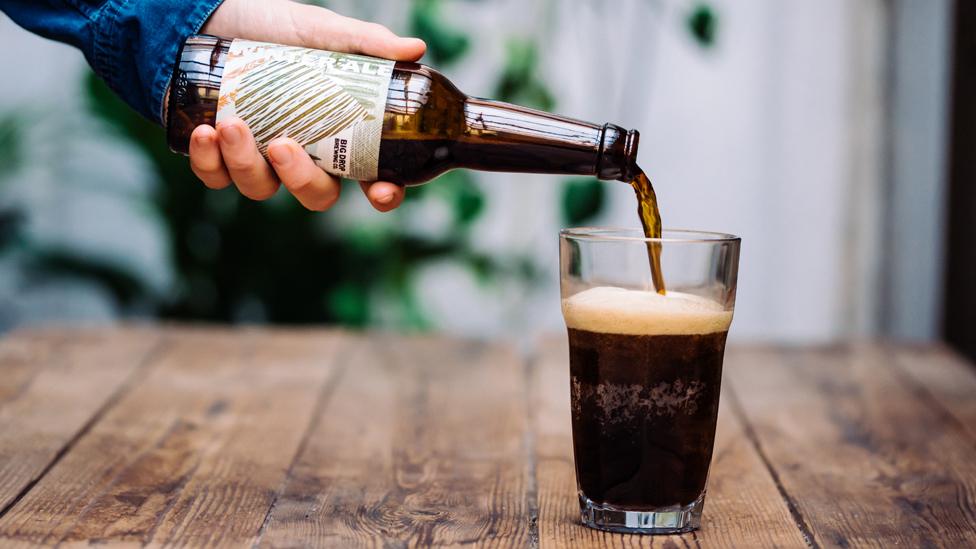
[626, 234]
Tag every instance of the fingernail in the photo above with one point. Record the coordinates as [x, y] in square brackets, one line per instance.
[231, 134]
[280, 155]
[385, 198]
[203, 138]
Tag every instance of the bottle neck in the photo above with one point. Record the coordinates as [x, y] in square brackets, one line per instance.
[504, 137]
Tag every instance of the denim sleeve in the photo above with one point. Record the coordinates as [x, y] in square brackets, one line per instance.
[131, 44]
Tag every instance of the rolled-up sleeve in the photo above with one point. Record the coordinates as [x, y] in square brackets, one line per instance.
[131, 44]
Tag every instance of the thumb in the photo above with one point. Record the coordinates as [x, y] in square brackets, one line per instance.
[327, 30]
[294, 24]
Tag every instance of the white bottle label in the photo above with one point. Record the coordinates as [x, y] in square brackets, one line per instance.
[331, 103]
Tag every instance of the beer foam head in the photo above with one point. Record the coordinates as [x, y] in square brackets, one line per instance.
[636, 312]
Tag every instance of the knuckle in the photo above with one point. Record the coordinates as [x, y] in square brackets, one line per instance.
[298, 184]
[214, 183]
[210, 178]
[321, 205]
[203, 167]
[361, 41]
[261, 192]
[239, 163]
[323, 201]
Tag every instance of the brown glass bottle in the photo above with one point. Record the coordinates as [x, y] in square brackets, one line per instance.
[429, 126]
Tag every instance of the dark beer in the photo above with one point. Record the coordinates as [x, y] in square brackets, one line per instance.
[650, 218]
[645, 379]
[426, 125]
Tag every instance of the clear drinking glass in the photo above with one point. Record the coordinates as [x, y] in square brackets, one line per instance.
[645, 371]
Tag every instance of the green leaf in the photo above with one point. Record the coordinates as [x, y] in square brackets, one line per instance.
[411, 312]
[518, 82]
[702, 22]
[11, 143]
[349, 304]
[583, 199]
[444, 44]
[11, 221]
[459, 190]
[63, 262]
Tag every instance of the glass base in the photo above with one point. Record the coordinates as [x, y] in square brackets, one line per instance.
[667, 520]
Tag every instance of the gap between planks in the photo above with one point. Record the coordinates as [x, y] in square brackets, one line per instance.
[118, 478]
[531, 363]
[131, 379]
[946, 370]
[325, 394]
[750, 433]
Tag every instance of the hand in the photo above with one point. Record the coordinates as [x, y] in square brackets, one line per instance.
[228, 153]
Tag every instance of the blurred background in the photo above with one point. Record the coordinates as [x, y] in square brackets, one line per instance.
[835, 137]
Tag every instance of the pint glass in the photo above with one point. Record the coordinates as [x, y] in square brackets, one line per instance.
[645, 371]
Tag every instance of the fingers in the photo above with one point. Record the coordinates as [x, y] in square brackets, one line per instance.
[324, 29]
[253, 176]
[384, 196]
[315, 189]
[205, 160]
[228, 154]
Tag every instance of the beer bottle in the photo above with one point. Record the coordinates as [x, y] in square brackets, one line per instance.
[374, 119]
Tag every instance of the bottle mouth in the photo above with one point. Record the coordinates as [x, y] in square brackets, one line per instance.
[618, 153]
[630, 151]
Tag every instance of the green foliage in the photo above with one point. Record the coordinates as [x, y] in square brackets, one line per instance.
[68, 263]
[11, 156]
[702, 23]
[459, 190]
[236, 258]
[582, 200]
[11, 141]
[519, 83]
[10, 221]
[444, 44]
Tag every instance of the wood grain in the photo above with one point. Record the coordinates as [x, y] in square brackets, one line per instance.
[195, 454]
[866, 463]
[52, 384]
[942, 379]
[742, 508]
[291, 438]
[422, 443]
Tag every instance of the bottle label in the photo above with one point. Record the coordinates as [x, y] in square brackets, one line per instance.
[331, 103]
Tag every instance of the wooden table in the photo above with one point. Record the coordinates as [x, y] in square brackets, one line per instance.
[323, 438]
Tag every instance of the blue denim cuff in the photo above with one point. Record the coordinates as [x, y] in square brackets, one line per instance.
[135, 44]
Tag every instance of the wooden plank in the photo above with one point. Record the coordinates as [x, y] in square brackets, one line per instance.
[943, 379]
[866, 463]
[53, 383]
[742, 508]
[423, 443]
[195, 454]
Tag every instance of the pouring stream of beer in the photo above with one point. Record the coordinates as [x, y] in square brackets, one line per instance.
[650, 218]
